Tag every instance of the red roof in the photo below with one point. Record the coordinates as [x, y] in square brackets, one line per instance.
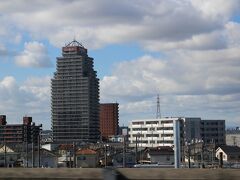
[65, 146]
[86, 151]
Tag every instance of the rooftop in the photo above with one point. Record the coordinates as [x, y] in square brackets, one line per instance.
[86, 152]
[230, 149]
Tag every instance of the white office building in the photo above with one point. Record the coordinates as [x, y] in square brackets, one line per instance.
[151, 132]
[160, 132]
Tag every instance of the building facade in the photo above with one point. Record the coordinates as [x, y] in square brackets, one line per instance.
[75, 97]
[14, 134]
[160, 132]
[109, 119]
[233, 137]
[213, 131]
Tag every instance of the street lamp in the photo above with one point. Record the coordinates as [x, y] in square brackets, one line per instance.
[202, 154]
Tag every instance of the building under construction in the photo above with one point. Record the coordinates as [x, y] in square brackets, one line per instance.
[75, 97]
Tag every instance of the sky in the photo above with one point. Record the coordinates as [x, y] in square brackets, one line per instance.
[187, 51]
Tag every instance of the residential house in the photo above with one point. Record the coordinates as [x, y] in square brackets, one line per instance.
[65, 158]
[160, 155]
[8, 157]
[229, 153]
[117, 159]
[48, 159]
[87, 158]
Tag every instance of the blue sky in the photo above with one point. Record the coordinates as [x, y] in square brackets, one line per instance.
[187, 51]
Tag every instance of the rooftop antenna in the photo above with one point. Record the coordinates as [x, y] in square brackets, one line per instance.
[158, 115]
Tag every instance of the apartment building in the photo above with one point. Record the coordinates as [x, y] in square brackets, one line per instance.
[75, 97]
[19, 133]
[160, 132]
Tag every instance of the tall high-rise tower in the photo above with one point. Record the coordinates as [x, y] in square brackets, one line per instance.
[75, 97]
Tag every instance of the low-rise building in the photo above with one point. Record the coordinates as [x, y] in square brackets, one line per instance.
[47, 159]
[87, 158]
[129, 161]
[229, 153]
[161, 155]
[8, 157]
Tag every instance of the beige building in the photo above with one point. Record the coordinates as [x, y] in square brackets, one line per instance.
[233, 137]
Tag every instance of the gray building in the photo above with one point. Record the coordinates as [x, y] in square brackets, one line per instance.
[213, 131]
[75, 97]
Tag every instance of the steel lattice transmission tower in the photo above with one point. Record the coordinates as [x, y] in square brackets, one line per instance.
[158, 114]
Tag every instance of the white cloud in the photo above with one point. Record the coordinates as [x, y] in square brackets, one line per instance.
[191, 83]
[98, 23]
[32, 98]
[199, 71]
[3, 50]
[34, 55]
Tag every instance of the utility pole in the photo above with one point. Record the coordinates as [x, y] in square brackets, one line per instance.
[27, 154]
[39, 158]
[189, 156]
[5, 154]
[32, 134]
[27, 138]
[106, 145]
[202, 155]
[74, 155]
[136, 154]
[124, 152]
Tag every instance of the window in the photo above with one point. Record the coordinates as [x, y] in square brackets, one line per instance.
[166, 135]
[81, 158]
[152, 135]
[167, 122]
[138, 123]
[165, 128]
[151, 122]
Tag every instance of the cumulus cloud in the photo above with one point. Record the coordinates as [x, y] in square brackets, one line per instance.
[191, 83]
[31, 98]
[198, 73]
[98, 23]
[34, 55]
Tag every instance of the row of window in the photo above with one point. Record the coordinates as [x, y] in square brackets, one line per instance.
[151, 129]
[152, 135]
[152, 122]
[153, 142]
